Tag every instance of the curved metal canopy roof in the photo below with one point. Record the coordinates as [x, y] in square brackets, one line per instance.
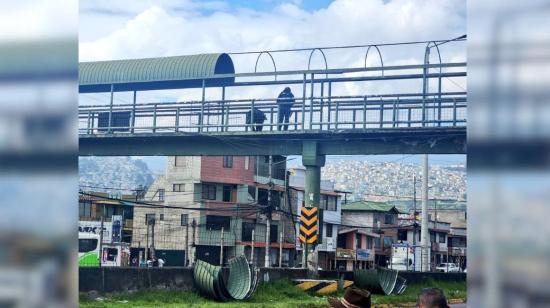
[155, 73]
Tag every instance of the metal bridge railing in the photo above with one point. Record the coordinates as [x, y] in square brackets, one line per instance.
[311, 113]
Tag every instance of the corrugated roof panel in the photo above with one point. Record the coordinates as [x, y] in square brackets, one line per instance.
[154, 73]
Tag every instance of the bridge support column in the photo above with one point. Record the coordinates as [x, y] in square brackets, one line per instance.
[313, 163]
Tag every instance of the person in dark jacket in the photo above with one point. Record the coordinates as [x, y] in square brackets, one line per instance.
[285, 102]
[259, 118]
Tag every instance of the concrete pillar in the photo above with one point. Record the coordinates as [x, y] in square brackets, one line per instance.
[313, 163]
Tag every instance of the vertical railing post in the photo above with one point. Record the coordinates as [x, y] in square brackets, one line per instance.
[111, 109]
[271, 119]
[336, 116]
[322, 106]
[154, 118]
[329, 102]
[251, 116]
[223, 110]
[177, 119]
[201, 120]
[353, 118]
[381, 113]
[454, 111]
[311, 103]
[439, 99]
[134, 112]
[304, 103]
[425, 84]
[88, 124]
[395, 104]
[409, 116]
[365, 112]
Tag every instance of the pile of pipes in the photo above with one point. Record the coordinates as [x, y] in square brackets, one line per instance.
[239, 283]
[380, 280]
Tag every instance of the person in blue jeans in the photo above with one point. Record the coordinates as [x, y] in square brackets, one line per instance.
[284, 103]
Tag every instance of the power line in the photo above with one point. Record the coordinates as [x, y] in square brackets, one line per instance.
[162, 206]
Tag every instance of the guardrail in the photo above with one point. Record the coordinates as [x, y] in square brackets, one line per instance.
[323, 111]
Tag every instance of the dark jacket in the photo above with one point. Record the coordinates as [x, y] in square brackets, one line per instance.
[259, 116]
[285, 100]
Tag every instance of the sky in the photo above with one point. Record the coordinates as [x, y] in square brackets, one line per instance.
[126, 29]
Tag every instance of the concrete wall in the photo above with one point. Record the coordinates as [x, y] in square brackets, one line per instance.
[128, 279]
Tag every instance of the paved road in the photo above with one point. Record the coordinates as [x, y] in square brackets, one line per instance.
[458, 306]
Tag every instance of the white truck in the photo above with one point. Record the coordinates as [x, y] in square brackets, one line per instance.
[406, 257]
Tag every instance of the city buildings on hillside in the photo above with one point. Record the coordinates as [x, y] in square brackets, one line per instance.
[214, 207]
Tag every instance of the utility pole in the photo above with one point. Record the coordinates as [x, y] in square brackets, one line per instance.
[101, 236]
[425, 242]
[268, 214]
[221, 248]
[194, 225]
[186, 243]
[414, 223]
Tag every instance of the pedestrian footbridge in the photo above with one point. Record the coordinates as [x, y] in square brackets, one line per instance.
[371, 109]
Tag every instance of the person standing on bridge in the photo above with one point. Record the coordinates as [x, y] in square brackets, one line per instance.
[259, 118]
[284, 103]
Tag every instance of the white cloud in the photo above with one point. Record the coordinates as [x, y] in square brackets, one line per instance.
[165, 30]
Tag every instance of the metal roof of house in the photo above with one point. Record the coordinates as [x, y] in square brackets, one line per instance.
[371, 206]
[155, 73]
[344, 231]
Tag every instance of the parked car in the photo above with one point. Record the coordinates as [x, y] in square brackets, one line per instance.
[447, 268]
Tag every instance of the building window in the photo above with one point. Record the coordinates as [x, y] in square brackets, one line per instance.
[324, 201]
[218, 222]
[331, 206]
[358, 241]
[402, 235]
[246, 232]
[432, 237]
[85, 209]
[388, 219]
[228, 161]
[329, 230]
[273, 234]
[209, 191]
[442, 237]
[161, 218]
[184, 218]
[226, 196]
[252, 192]
[149, 219]
[178, 187]
[160, 194]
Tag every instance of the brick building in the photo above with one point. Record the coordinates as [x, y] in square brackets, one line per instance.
[198, 196]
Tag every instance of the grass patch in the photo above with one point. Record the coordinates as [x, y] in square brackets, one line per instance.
[452, 290]
[281, 293]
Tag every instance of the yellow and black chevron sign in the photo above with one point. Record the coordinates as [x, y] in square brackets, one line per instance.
[308, 225]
